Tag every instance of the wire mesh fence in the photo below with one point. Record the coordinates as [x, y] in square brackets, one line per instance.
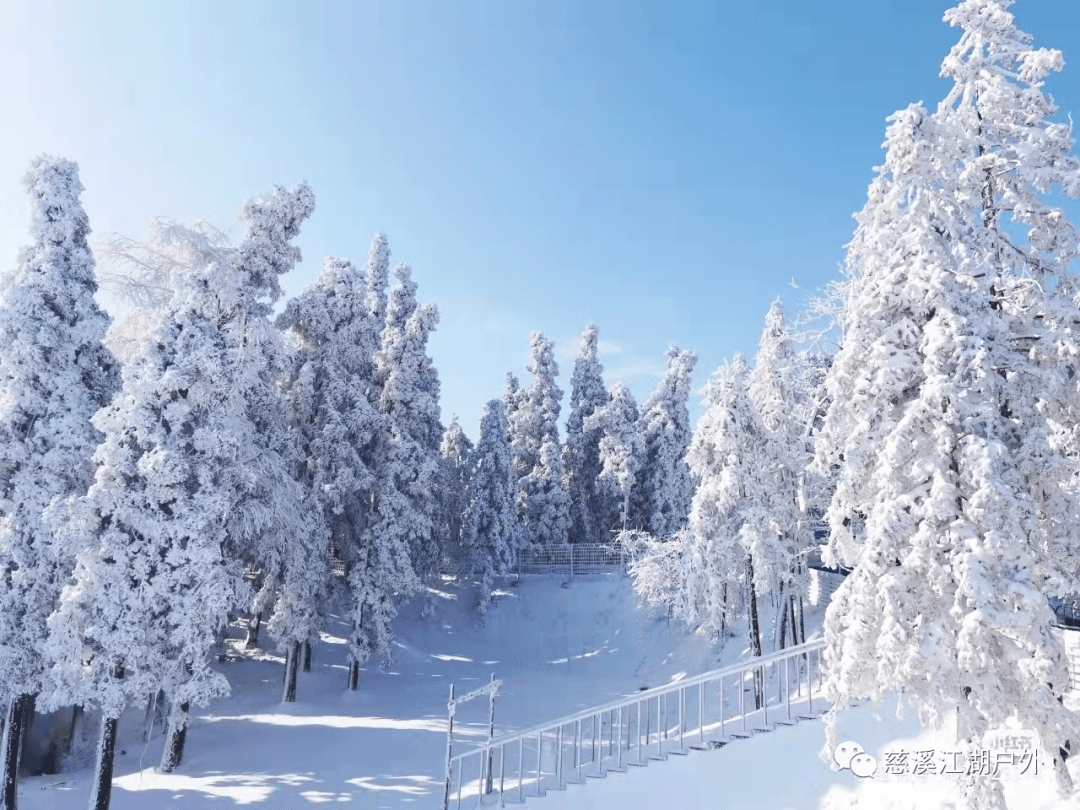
[568, 560]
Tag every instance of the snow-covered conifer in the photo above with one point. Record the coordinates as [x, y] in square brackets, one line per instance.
[490, 531]
[377, 273]
[664, 487]
[730, 539]
[545, 513]
[722, 458]
[456, 461]
[777, 391]
[954, 500]
[581, 454]
[336, 338]
[184, 475]
[54, 375]
[620, 454]
[409, 395]
[533, 420]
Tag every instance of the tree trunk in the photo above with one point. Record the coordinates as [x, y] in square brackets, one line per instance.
[291, 661]
[354, 674]
[252, 640]
[796, 636]
[173, 754]
[102, 792]
[29, 713]
[785, 608]
[723, 614]
[755, 634]
[14, 728]
[307, 656]
[78, 717]
[802, 625]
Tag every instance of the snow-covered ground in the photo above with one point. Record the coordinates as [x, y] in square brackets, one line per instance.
[558, 647]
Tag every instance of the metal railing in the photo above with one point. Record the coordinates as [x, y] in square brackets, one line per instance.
[570, 560]
[701, 712]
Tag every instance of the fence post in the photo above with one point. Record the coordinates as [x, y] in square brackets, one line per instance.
[449, 744]
[491, 731]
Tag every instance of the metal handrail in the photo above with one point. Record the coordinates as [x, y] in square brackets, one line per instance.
[625, 719]
[649, 694]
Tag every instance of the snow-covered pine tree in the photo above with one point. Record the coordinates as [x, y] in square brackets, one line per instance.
[291, 540]
[723, 458]
[581, 453]
[955, 501]
[377, 273]
[729, 541]
[490, 532]
[335, 338]
[546, 511]
[398, 545]
[620, 456]
[533, 421]
[184, 475]
[664, 487]
[511, 397]
[456, 461]
[54, 375]
[776, 390]
[409, 395]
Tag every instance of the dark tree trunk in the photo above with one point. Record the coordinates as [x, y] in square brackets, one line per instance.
[723, 598]
[15, 725]
[29, 713]
[307, 656]
[173, 754]
[783, 624]
[354, 674]
[252, 640]
[99, 799]
[755, 635]
[291, 661]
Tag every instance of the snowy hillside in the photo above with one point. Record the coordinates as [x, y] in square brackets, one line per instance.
[384, 745]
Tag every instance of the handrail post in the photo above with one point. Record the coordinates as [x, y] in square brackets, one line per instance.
[722, 706]
[539, 760]
[682, 714]
[558, 759]
[577, 749]
[619, 760]
[701, 713]
[764, 699]
[502, 775]
[742, 698]
[491, 731]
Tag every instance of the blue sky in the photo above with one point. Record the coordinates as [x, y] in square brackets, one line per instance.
[662, 169]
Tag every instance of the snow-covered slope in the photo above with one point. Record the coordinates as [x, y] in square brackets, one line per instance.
[384, 745]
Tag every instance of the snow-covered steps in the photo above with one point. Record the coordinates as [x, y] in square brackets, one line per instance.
[706, 712]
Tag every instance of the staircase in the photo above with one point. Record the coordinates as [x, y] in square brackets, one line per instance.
[700, 713]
